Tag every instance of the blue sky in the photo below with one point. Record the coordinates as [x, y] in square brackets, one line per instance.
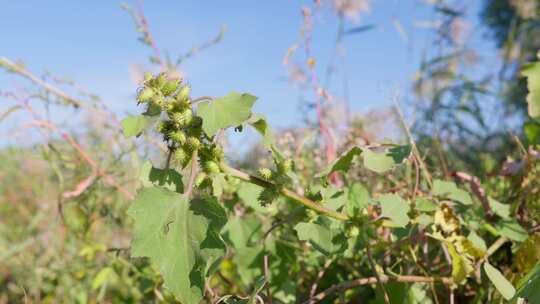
[94, 43]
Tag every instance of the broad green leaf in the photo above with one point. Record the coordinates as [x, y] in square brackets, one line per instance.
[477, 241]
[395, 208]
[258, 121]
[178, 237]
[343, 163]
[451, 191]
[249, 194]
[333, 198]
[244, 235]
[357, 199]
[512, 230]
[529, 286]
[500, 282]
[377, 162]
[500, 209]
[425, 205]
[381, 162]
[319, 236]
[169, 179]
[532, 72]
[229, 111]
[532, 132]
[424, 220]
[134, 125]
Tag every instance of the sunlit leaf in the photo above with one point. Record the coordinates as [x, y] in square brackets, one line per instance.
[500, 282]
[395, 208]
[229, 111]
[169, 179]
[357, 199]
[343, 163]
[532, 72]
[381, 162]
[179, 240]
[134, 125]
[451, 191]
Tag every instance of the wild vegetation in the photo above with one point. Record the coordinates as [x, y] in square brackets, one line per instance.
[150, 208]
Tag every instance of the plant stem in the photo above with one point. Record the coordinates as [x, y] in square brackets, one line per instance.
[285, 192]
[380, 283]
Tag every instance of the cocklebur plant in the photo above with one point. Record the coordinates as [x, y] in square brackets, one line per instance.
[185, 225]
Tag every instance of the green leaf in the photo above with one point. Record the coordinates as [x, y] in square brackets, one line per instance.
[169, 179]
[229, 111]
[395, 208]
[425, 205]
[258, 121]
[180, 238]
[477, 241]
[381, 162]
[529, 286]
[134, 125]
[532, 72]
[532, 132]
[500, 282]
[357, 199]
[333, 198]
[500, 209]
[343, 163]
[249, 194]
[451, 191]
[244, 235]
[512, 230]
[320, 237]
[103, 277]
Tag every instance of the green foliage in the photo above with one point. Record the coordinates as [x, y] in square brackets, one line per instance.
[395, 208]
[180, 237]
[135, 125]
[529, 286]
[500, 282]
[343, 163]
[381, 162]
[299, 228]
[532, 72]
[229, 111]
[451, 191]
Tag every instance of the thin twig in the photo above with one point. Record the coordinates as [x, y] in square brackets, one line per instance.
[99, 171]
[319, 277]
[477, 189]
[193, 173]
[285, 192]
[374, 270]
[267, 278]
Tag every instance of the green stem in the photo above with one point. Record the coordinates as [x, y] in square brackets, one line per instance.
[285, 192]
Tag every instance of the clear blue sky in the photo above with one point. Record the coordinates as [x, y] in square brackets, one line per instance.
[94, 43]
